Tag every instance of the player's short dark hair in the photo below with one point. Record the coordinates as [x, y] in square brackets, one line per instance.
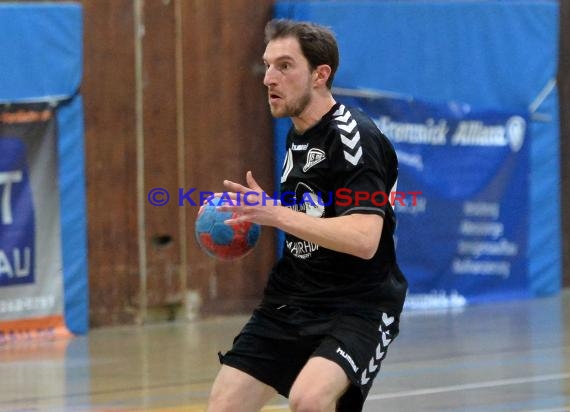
[318, 43]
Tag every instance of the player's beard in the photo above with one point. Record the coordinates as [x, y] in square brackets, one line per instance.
[299, 105]
[294, 108]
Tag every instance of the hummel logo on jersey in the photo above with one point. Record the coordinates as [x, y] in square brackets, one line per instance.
[299, 147]
[314, 156]
[349, 135]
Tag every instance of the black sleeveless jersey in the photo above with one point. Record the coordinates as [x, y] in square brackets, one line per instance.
[341, 165]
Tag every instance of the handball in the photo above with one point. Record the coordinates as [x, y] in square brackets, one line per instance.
[220, 240]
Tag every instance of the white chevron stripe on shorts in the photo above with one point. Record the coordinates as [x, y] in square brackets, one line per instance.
[380, 352]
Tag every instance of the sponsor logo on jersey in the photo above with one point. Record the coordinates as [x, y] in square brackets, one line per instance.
[299, 147]
[308, 200]
[302, 249]
[313, 205]
[314, 156]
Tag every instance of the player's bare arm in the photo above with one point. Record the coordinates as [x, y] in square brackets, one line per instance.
[355, 234]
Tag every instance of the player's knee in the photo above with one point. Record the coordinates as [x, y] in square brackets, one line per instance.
[306, 400]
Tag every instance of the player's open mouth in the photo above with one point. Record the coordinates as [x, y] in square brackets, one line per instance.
[274, 98]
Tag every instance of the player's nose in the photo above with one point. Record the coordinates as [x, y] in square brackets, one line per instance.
[269, 78]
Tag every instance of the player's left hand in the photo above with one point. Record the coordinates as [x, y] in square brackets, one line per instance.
[250, 203]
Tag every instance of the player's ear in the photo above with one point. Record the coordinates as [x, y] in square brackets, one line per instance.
[321, 74]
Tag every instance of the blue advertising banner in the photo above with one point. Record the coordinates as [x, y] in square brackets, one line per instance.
[17, 227]
[31, 276]
[464, 237]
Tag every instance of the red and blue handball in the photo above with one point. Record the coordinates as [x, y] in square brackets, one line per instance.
[222, 240]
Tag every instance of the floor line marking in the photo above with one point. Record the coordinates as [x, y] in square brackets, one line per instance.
[469, 386]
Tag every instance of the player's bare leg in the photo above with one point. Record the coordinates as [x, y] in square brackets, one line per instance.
[236, 391]
[318, 387]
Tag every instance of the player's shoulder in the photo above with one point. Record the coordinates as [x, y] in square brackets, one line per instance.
[355, 134]
[347, 119]
[368, 129]
[346, 135]
[352, 126]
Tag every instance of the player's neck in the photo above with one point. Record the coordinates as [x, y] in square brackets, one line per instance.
[314, 112]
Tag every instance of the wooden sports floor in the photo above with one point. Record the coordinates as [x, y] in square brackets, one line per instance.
[497, 357]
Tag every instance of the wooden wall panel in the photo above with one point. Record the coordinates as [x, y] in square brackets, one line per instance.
[228, 131]
[564, 98]
[164, 236]
[183, 96]
[109, 90]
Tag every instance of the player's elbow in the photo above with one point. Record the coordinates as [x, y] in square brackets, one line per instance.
[368, 229]
[367, 250]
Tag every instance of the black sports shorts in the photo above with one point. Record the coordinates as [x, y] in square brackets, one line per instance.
[277, 342]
